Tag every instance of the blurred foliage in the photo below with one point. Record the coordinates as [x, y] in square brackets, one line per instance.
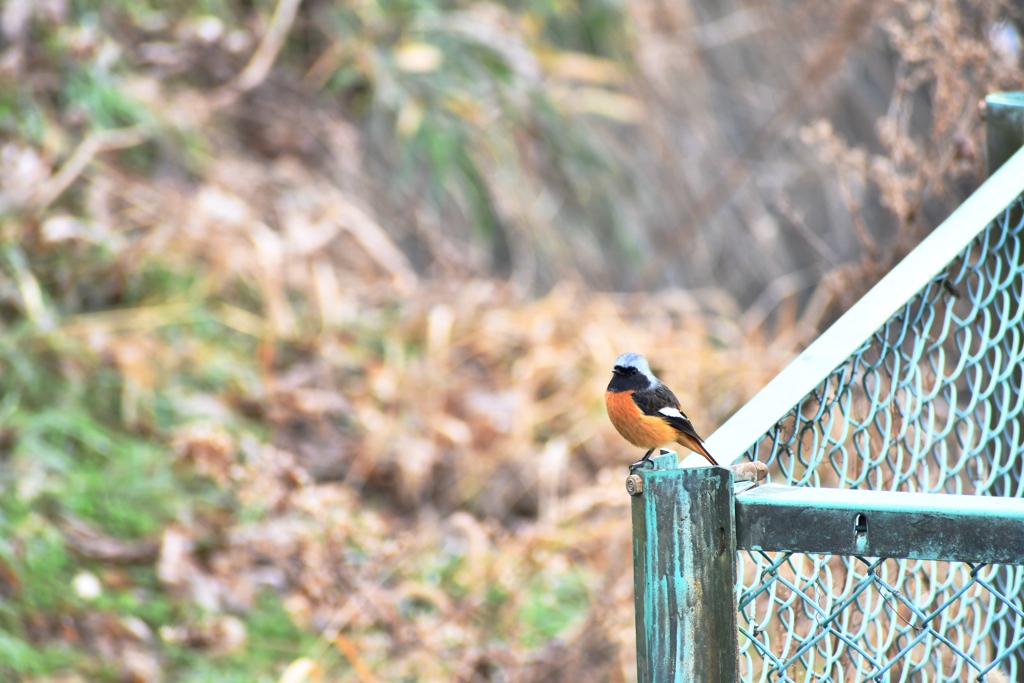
[473, 107]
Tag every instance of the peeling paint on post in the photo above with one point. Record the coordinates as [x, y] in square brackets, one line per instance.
[684, 573]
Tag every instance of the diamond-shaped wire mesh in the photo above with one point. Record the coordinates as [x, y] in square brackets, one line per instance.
[932, 402]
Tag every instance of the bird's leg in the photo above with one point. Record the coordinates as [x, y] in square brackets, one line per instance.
[641, 462]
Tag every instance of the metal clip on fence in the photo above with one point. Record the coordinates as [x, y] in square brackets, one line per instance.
[896, 550]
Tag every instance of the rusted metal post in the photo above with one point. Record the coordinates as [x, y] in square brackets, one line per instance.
[684, 573]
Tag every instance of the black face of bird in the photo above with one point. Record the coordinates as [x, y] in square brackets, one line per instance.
[627, 378]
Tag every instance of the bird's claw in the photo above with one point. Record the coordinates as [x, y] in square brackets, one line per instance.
[644, 464]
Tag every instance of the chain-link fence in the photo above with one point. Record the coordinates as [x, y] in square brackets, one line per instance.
[931, 402]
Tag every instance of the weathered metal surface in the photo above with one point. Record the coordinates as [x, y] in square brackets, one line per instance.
[845, 338]
[923, 526]
[1004, 128]
[684, 574]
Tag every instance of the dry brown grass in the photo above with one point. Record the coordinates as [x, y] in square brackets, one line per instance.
[439, 493]
[473, 445]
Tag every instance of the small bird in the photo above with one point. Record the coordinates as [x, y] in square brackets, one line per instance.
[646, 412]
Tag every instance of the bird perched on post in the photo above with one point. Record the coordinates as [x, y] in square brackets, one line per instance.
[646, 412]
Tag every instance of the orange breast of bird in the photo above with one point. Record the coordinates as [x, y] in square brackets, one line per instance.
[635, 427]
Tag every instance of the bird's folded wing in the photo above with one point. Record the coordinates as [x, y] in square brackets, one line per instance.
[661, 402]
[679, 421]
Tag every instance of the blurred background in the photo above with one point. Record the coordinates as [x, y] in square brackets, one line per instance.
[307, 307]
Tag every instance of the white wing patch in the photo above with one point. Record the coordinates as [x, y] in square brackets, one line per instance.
[671, 412]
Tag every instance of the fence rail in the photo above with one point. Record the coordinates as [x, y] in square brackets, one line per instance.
[875, 523]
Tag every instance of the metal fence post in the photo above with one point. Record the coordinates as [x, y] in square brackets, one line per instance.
[1004, 128]
[684, 573]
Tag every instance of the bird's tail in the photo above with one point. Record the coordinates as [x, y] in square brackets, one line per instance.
[697, 447]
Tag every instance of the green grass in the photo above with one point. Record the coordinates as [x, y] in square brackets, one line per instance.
[72, 453]
[44, 565]
[272, 633]
[18, 656]
[552, 605]
[273, 641]
[143, 599]
[102, 99]
[126, 487]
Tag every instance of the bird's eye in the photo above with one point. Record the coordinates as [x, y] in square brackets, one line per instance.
[632, 371]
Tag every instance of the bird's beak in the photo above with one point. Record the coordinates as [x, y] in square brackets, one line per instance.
[616, 371]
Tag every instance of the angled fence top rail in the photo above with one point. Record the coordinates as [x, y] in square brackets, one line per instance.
[843, 338]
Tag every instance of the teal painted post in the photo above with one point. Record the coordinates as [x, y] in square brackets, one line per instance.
[1004, 128]
[684, 573]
